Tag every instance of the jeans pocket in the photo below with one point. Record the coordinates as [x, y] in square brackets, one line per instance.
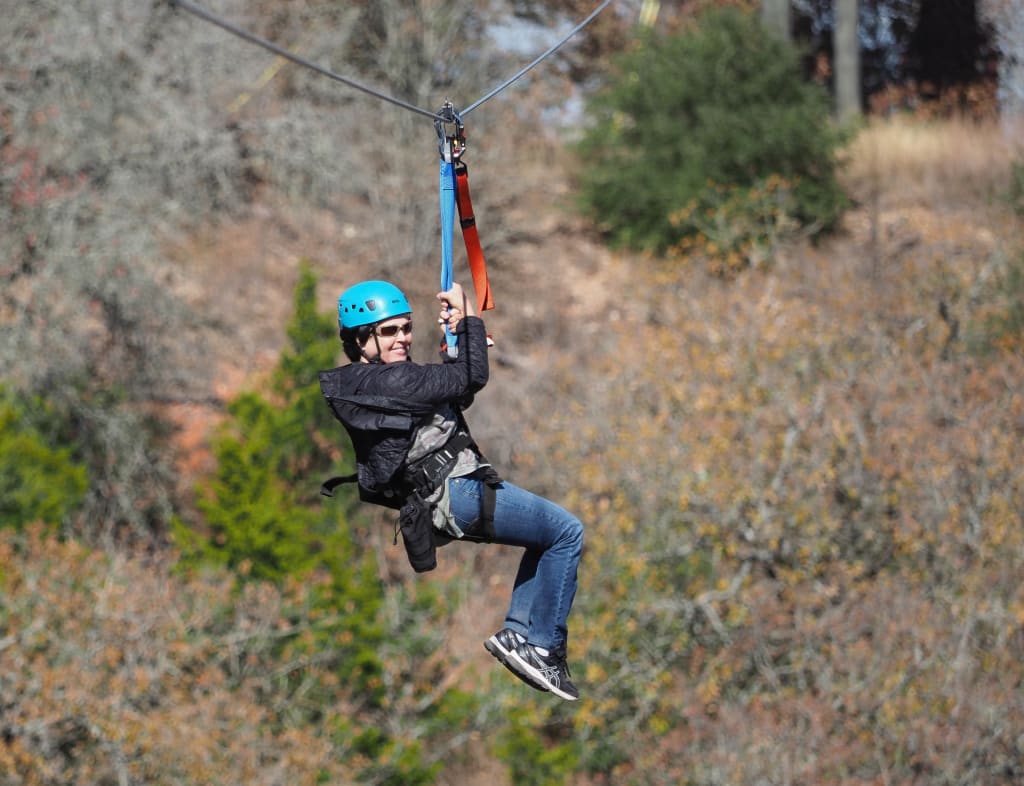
[465, 502]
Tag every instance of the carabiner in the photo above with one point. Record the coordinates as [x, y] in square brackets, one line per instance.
[452, 145]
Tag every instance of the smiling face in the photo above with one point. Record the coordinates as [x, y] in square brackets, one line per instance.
[391, 340]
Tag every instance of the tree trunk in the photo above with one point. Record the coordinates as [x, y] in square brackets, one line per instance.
[775, 17]
[1007, 20]
[847, 60]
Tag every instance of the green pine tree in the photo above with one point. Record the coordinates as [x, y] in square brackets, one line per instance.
[39, 481]
[692, 117]
[260, 508]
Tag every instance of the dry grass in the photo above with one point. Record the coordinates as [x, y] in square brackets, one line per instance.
[903, 159]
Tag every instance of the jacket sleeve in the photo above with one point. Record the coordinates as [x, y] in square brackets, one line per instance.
[437, 383]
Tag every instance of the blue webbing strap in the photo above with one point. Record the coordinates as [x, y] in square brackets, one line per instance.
[447, 193]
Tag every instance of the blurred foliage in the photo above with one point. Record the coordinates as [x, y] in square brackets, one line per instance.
[114, 669]
[802, 526]
[530, 756]
[802, 563]
[704, 127]
[737, 228]
[39, 481]
[1015, 192]
[89, 316]
[1001, 326]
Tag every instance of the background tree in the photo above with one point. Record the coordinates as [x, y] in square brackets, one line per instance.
[948, 46]
[39, 482]
[259, 508]
[901, 45]
[708, 130]
[775, 15]
[847, 60]
[1007, 20]
[88, 191]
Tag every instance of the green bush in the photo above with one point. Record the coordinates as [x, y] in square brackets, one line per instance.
[1015, 193]
[713, 123]
[1001, 327]
[529, 759]
[39, 481]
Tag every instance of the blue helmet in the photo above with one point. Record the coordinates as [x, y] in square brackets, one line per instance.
[369, 302]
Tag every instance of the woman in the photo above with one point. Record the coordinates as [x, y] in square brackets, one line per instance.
[414, 453]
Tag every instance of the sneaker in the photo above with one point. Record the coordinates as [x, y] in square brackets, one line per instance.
[501, 645]
[550, 670]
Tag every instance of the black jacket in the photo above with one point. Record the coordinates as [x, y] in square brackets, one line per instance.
[382, 404]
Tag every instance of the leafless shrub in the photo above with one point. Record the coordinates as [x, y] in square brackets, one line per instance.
[127, 124]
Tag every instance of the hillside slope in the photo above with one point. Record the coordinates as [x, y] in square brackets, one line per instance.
[809, 443]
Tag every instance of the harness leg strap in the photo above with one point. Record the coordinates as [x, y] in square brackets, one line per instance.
[487, 511]
[327, 489]
[488, 501]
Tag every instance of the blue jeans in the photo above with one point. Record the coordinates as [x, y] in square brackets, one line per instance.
[553, 538]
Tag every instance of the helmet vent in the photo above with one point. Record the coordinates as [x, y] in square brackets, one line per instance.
[369, 302]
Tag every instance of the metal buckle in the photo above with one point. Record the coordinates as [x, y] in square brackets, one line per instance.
[452, 145]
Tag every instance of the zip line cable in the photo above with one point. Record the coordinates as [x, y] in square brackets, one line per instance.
[192, 8]
[252, 38]
[540, 58]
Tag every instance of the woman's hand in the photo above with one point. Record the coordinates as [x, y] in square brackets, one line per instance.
[455, 306]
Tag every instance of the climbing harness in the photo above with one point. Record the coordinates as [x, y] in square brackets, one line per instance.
[454, 176]
[417, 483]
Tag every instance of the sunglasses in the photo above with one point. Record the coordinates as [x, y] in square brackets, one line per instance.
[390, 331]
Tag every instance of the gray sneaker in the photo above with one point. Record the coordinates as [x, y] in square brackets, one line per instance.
[501, 645]
[550, 670]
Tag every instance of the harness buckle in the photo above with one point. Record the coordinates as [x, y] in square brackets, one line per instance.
[426, 473]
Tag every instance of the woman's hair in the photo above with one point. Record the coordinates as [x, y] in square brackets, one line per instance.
[353, 339]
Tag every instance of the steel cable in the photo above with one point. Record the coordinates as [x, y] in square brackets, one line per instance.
[277, 50]
[192, 8]
[539, 59]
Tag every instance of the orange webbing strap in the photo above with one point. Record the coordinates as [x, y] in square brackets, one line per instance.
[474, 252]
